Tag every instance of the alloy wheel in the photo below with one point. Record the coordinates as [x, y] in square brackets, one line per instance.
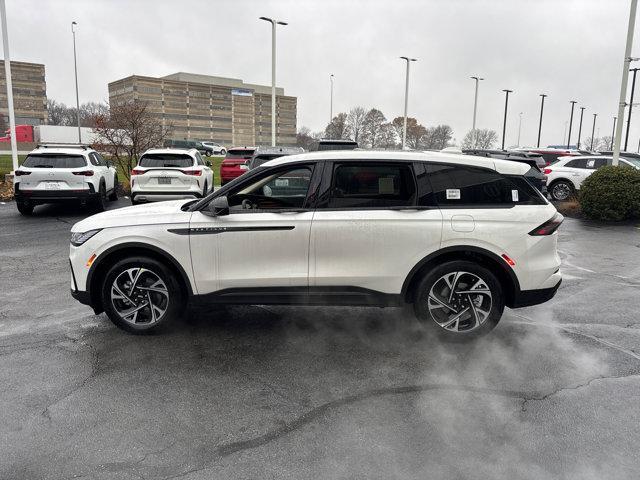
[561, 191]
[139, 296]
[460, 301]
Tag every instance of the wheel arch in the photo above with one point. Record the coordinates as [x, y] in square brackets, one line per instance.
[505, 274]
[110, 256]
[562, 179]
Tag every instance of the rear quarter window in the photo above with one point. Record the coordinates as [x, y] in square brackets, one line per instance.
[54, 161]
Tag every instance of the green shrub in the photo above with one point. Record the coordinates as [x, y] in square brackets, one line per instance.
[611, 193]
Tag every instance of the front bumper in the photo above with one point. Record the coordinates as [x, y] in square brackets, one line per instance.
[528, 298]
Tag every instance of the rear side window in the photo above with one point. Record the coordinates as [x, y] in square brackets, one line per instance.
[460, 185]
[54, 161]
[165, 160]
[372, 185]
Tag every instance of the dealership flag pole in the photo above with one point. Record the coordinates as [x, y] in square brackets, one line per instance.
[7, 72]
[625, 79]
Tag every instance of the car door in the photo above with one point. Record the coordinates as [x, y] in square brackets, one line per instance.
[372, 225]
[264, 240]
[101, 169]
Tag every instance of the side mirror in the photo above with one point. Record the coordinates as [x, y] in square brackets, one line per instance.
[219, 206]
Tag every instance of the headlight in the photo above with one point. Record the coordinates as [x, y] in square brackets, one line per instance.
[78, 238]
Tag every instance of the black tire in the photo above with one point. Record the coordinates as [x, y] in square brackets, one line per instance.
[173, 307]
[223, 152]
[561, 190]
[25, 208]
[100, 204]
[205, 189]
[113, 196]
[471, 324]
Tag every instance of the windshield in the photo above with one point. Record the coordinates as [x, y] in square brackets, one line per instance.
[54, 160]
[165, 160]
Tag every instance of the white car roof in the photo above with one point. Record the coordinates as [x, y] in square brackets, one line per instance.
[190, 151]
[63, 150]
[508, 167]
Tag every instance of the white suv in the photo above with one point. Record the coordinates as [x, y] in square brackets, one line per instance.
[169, 174]
[56, 173]
[565, 177]
[460, 237]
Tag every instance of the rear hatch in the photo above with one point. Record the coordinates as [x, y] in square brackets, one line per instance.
[166, 172]
[54, 172]
[235, 162]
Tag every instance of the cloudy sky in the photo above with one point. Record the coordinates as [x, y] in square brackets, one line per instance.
[571, 50]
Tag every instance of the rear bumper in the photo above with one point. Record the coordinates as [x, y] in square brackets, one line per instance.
[51, 196]
[528, 298]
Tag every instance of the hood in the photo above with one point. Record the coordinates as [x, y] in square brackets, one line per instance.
[150, 213]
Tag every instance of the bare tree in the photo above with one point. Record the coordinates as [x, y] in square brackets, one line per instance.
[126, 131]
[480, 138]
[372, 128]
[388, 137]
[56, 112]
[355, 122]
[416, 133]
[305, 138]
[599, 143]
[440, 136]
[90, 111]
[337, 129]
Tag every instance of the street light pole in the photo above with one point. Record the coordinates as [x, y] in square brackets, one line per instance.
[75, 69]
[613, 133]
[543, 95]
[406, 100]
[273, 75]
[519, 127]
[633, 87]
[7, 74]
[573, 104]
[625, 79]
[506, 104]
[580, 127]
[331, 101]
[475, 109]
[593, 129]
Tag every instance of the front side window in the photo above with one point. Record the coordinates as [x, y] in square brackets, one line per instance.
[461, 185]
[372, 185]
[282, 189]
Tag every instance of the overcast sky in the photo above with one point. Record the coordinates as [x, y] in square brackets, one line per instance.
[571, 50]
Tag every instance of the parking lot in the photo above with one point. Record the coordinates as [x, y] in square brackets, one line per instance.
[310, 392]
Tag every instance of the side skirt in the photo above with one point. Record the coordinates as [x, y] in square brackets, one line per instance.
[337, 296]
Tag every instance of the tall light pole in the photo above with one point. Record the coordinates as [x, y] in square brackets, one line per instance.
[331, 100]
[543, 95]
[593, 130]
[75, 69]
[625, 79]
[506, 104]
[580, 127]
[475, 101]
[573, 104]
[519, 127]
[406, 100]
[273, 75]
[613, 133]
[633, 87]
[7, 74]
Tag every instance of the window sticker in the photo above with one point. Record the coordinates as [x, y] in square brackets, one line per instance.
[385, 186]
[453, 194]
[514, 195]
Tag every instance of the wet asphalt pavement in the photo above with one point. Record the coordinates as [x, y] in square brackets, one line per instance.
[318, 393]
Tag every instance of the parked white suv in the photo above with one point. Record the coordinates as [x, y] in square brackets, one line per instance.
[565, 177]
[55, 173]
[169, 174]
[459, 237]
[216, 148]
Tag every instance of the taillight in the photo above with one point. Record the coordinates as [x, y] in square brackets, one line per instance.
[20, 173]
[548, 227]
[547, 171]
[137, 172]
[86, 173]
[195, 173]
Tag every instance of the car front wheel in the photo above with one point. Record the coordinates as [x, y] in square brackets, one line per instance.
[459, 300]
[140, 294]
[561, 190]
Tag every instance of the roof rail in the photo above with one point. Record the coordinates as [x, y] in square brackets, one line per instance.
[63, 145]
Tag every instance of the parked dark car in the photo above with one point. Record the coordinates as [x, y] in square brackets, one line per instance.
[188, 144]
[332, 144]
[264, 154]
[535, 160]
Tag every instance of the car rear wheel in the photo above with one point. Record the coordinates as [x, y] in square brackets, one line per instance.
[141, 294]
[459, 301]
[113, 196]
[25, 208]
[101, 201]
[561, 190]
